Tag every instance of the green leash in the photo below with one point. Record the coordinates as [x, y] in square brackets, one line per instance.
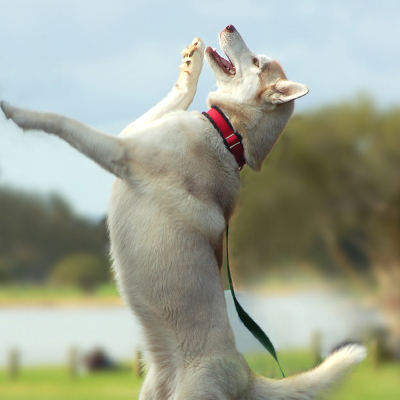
[248, 322]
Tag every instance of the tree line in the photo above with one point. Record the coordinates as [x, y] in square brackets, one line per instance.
[328, 196]
[37, 232]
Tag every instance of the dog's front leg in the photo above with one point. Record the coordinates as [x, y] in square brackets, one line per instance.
[184, 90]
[107, 150]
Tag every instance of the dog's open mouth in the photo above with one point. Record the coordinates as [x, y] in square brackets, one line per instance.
[225, 65]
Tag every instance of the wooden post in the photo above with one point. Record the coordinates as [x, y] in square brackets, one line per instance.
[316, 339]
[72, 362]
[138, 363]
[13, 363]
[374, 353]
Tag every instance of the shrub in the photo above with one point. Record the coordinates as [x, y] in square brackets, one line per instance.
[86, 270]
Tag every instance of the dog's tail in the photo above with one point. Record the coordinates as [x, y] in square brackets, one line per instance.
[307, 385]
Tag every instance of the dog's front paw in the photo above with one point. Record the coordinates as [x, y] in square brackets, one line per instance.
[192, 63]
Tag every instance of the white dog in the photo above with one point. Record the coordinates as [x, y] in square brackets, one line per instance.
[176, 188]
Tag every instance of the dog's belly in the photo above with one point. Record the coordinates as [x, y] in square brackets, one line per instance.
[167, 270]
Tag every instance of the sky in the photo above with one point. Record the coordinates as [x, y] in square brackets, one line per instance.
[107, 62]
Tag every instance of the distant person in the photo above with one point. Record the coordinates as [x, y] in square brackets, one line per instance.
[97, 360]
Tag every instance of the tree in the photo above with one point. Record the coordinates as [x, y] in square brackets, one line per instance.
[86, 270]
[329, 194]
[36, 231]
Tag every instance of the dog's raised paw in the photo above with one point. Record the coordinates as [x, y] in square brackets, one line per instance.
[192, 62]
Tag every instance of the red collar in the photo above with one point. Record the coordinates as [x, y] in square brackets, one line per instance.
[232, 140]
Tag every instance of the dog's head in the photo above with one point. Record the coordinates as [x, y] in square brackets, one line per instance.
[254, 93]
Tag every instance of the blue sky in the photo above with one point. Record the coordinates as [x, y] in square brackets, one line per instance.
[107, 62]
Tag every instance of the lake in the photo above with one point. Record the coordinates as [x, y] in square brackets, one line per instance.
[43, 335]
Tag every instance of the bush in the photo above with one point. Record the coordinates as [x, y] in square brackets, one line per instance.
[86, 270]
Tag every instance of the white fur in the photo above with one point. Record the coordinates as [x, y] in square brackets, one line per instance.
[311, 383]
[176, 190]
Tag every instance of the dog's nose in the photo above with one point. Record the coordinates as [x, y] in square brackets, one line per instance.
[230, 28]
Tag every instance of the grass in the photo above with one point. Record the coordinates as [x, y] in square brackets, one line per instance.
[372, 384]
[292, 362]
[366, 383]
[54, 383]
[46, 294]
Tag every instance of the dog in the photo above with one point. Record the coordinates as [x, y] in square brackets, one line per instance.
[177, 185]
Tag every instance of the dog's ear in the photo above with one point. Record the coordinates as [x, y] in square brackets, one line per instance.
[283, 91]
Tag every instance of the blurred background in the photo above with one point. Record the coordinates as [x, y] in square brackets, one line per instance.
[314, 244]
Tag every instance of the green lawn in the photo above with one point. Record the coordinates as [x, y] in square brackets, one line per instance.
[47, 294]
[365, 383]
[372, 384]
[52, 383]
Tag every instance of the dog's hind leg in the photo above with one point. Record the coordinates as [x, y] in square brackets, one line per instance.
[184, 90]
[106, 150]
[148, 389]
[155, 385]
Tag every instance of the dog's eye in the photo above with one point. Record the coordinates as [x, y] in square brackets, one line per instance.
[256, 62]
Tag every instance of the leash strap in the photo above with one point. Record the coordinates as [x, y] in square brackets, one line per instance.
[233, 142]
[248, 322]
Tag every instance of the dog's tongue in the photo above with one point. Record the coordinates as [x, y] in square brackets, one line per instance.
[225, 63]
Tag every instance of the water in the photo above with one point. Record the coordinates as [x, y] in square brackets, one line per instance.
[44, 335]
[290, 321]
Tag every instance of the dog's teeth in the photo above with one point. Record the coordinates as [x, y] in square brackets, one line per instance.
[214, 49]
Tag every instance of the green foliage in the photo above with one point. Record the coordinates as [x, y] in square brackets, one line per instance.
[86, 270]
[37, 231]
[329, 193]
[328, 196]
